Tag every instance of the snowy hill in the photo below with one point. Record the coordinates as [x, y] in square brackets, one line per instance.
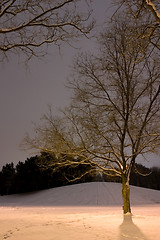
[86, 194]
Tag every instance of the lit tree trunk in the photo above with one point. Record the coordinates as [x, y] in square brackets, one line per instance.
[126, 194]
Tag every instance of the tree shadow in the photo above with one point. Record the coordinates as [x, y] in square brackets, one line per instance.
[129, 231]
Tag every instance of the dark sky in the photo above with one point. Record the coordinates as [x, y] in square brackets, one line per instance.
[25, 93]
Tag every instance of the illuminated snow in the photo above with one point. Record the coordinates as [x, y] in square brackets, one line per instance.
[91, 211]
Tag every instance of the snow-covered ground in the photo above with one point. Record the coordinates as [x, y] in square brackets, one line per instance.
[90, 211]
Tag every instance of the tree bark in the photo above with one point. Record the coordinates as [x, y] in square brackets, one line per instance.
[126, 195]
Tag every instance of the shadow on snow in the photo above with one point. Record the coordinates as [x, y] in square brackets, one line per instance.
[128, 230]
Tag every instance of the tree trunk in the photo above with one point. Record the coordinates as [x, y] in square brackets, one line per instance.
[126, 195]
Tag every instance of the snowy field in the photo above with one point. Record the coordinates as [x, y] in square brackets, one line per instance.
[90, 211]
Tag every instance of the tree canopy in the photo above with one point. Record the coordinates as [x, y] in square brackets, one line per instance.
[143, 10]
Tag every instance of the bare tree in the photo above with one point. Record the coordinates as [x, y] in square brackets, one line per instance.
[29, 26]
[154, 7]
[117, 102]
[143, 10]
[115, 111]
[139, 5]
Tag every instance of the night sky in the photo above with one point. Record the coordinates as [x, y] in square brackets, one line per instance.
[26, 92]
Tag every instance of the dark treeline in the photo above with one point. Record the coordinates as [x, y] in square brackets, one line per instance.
[144, 177]
[141, 176]
[38, 173]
